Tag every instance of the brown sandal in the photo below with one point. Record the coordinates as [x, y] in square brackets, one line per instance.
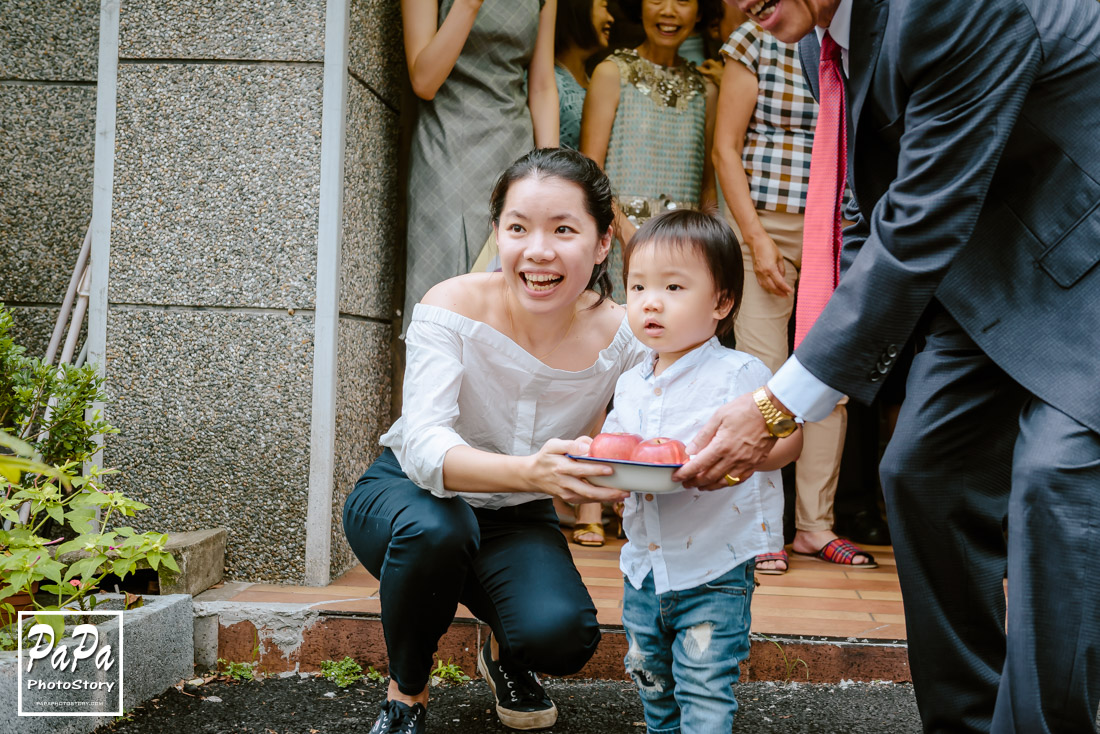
[593, 528]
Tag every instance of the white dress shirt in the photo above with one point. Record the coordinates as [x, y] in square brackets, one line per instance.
[689, 538]
[804, 395]
[467, 384]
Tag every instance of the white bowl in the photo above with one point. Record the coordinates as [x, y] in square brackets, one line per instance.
[635, 476]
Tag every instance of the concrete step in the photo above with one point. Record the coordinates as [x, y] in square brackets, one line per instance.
[298, 637]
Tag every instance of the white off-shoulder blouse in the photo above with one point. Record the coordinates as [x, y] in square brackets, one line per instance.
[467, 384]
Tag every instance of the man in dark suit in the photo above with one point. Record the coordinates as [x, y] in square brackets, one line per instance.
[974, 156]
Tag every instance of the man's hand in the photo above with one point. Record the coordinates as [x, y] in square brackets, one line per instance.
[733, 443]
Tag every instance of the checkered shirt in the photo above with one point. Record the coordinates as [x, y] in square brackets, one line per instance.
[781, 132]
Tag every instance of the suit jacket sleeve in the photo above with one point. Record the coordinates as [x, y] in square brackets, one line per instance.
[958, 75]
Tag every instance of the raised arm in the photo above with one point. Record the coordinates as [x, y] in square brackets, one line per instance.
[542, 90]
[431, 50]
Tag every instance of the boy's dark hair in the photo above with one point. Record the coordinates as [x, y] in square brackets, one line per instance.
[709, 236]
[573, 26]
[576, 168]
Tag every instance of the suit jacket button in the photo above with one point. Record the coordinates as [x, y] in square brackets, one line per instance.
[882, 368]
[892, 350]
[875, 376]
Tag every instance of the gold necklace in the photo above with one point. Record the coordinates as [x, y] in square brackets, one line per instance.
[512, 326]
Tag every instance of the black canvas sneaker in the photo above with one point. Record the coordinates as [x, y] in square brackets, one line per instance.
[521, 701]
[399, 718]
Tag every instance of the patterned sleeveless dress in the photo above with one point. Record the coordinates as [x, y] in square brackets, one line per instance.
[658, 143]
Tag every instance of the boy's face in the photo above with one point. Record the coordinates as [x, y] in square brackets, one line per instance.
[671, 300]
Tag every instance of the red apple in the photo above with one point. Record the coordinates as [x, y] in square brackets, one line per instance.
[660, 451]
[614, 445]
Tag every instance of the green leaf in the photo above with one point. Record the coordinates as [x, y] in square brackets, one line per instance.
[154, 560]
[71, 545]
[168, 560]
[56, 513]
[55, 621]
[123, 566]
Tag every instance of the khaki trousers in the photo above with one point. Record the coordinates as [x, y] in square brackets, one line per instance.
[761, 330]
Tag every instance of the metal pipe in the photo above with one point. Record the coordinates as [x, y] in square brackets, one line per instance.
[78, 319]
[63, 314]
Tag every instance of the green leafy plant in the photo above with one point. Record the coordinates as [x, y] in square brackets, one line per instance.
[48, 406]
[343, 673]
[237, 671]
[58, 542]
[448, 672]
[373, 675]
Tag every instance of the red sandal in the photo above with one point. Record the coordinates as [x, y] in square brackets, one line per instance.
[842, 552]
[780, 556]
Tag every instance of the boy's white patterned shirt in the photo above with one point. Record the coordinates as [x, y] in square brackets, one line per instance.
[691, 537]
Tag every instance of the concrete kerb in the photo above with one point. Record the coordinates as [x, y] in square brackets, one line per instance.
[158, 651]
[285, 637]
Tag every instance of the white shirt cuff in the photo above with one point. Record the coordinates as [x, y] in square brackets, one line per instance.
[804, 395]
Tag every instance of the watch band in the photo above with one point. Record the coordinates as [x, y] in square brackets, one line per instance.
[779, 424]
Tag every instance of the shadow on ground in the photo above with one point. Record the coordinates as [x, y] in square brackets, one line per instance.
[315, 706]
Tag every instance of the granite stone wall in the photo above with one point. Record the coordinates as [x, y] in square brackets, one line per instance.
[373, 230]
[214, 269]
[48, 56]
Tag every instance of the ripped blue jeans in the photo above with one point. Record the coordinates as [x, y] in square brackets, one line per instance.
[684, 651]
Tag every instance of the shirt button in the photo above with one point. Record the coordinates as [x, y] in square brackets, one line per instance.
[656, 391]
[649, 498]
[653, 546]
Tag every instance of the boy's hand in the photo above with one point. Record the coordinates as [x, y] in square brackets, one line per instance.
[733, 443]
[580, 446]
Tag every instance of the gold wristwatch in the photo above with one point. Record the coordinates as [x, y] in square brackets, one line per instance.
[780, 424]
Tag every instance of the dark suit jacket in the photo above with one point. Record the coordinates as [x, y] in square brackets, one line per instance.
[974, 156]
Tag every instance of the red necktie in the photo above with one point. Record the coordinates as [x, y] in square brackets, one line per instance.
[828, 171]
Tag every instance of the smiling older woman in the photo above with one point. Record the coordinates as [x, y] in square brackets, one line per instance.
[502, 368]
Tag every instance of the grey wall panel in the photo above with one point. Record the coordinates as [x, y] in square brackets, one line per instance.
[371, 211]
[216, 185]
[46, 39]
[214, 409]
[48, 144]
[362, 416]
[287, 30]
[377, 53]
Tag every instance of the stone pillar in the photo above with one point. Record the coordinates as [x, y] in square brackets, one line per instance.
[248, 298]
[47, 137]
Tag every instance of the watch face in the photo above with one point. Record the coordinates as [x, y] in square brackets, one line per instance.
[783, 427]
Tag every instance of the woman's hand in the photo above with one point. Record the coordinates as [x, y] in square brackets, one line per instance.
[769, 266]
[554, 473]
[712, 69]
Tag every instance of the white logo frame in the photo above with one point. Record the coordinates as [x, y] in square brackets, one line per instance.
[119, 662]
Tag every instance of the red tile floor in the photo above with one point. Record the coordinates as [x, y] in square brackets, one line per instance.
[813, 599]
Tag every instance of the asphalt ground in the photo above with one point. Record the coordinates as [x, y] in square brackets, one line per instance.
[312, 705]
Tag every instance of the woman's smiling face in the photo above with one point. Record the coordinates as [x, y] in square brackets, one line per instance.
[668, 23]
[601, 21]
[548, 242]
